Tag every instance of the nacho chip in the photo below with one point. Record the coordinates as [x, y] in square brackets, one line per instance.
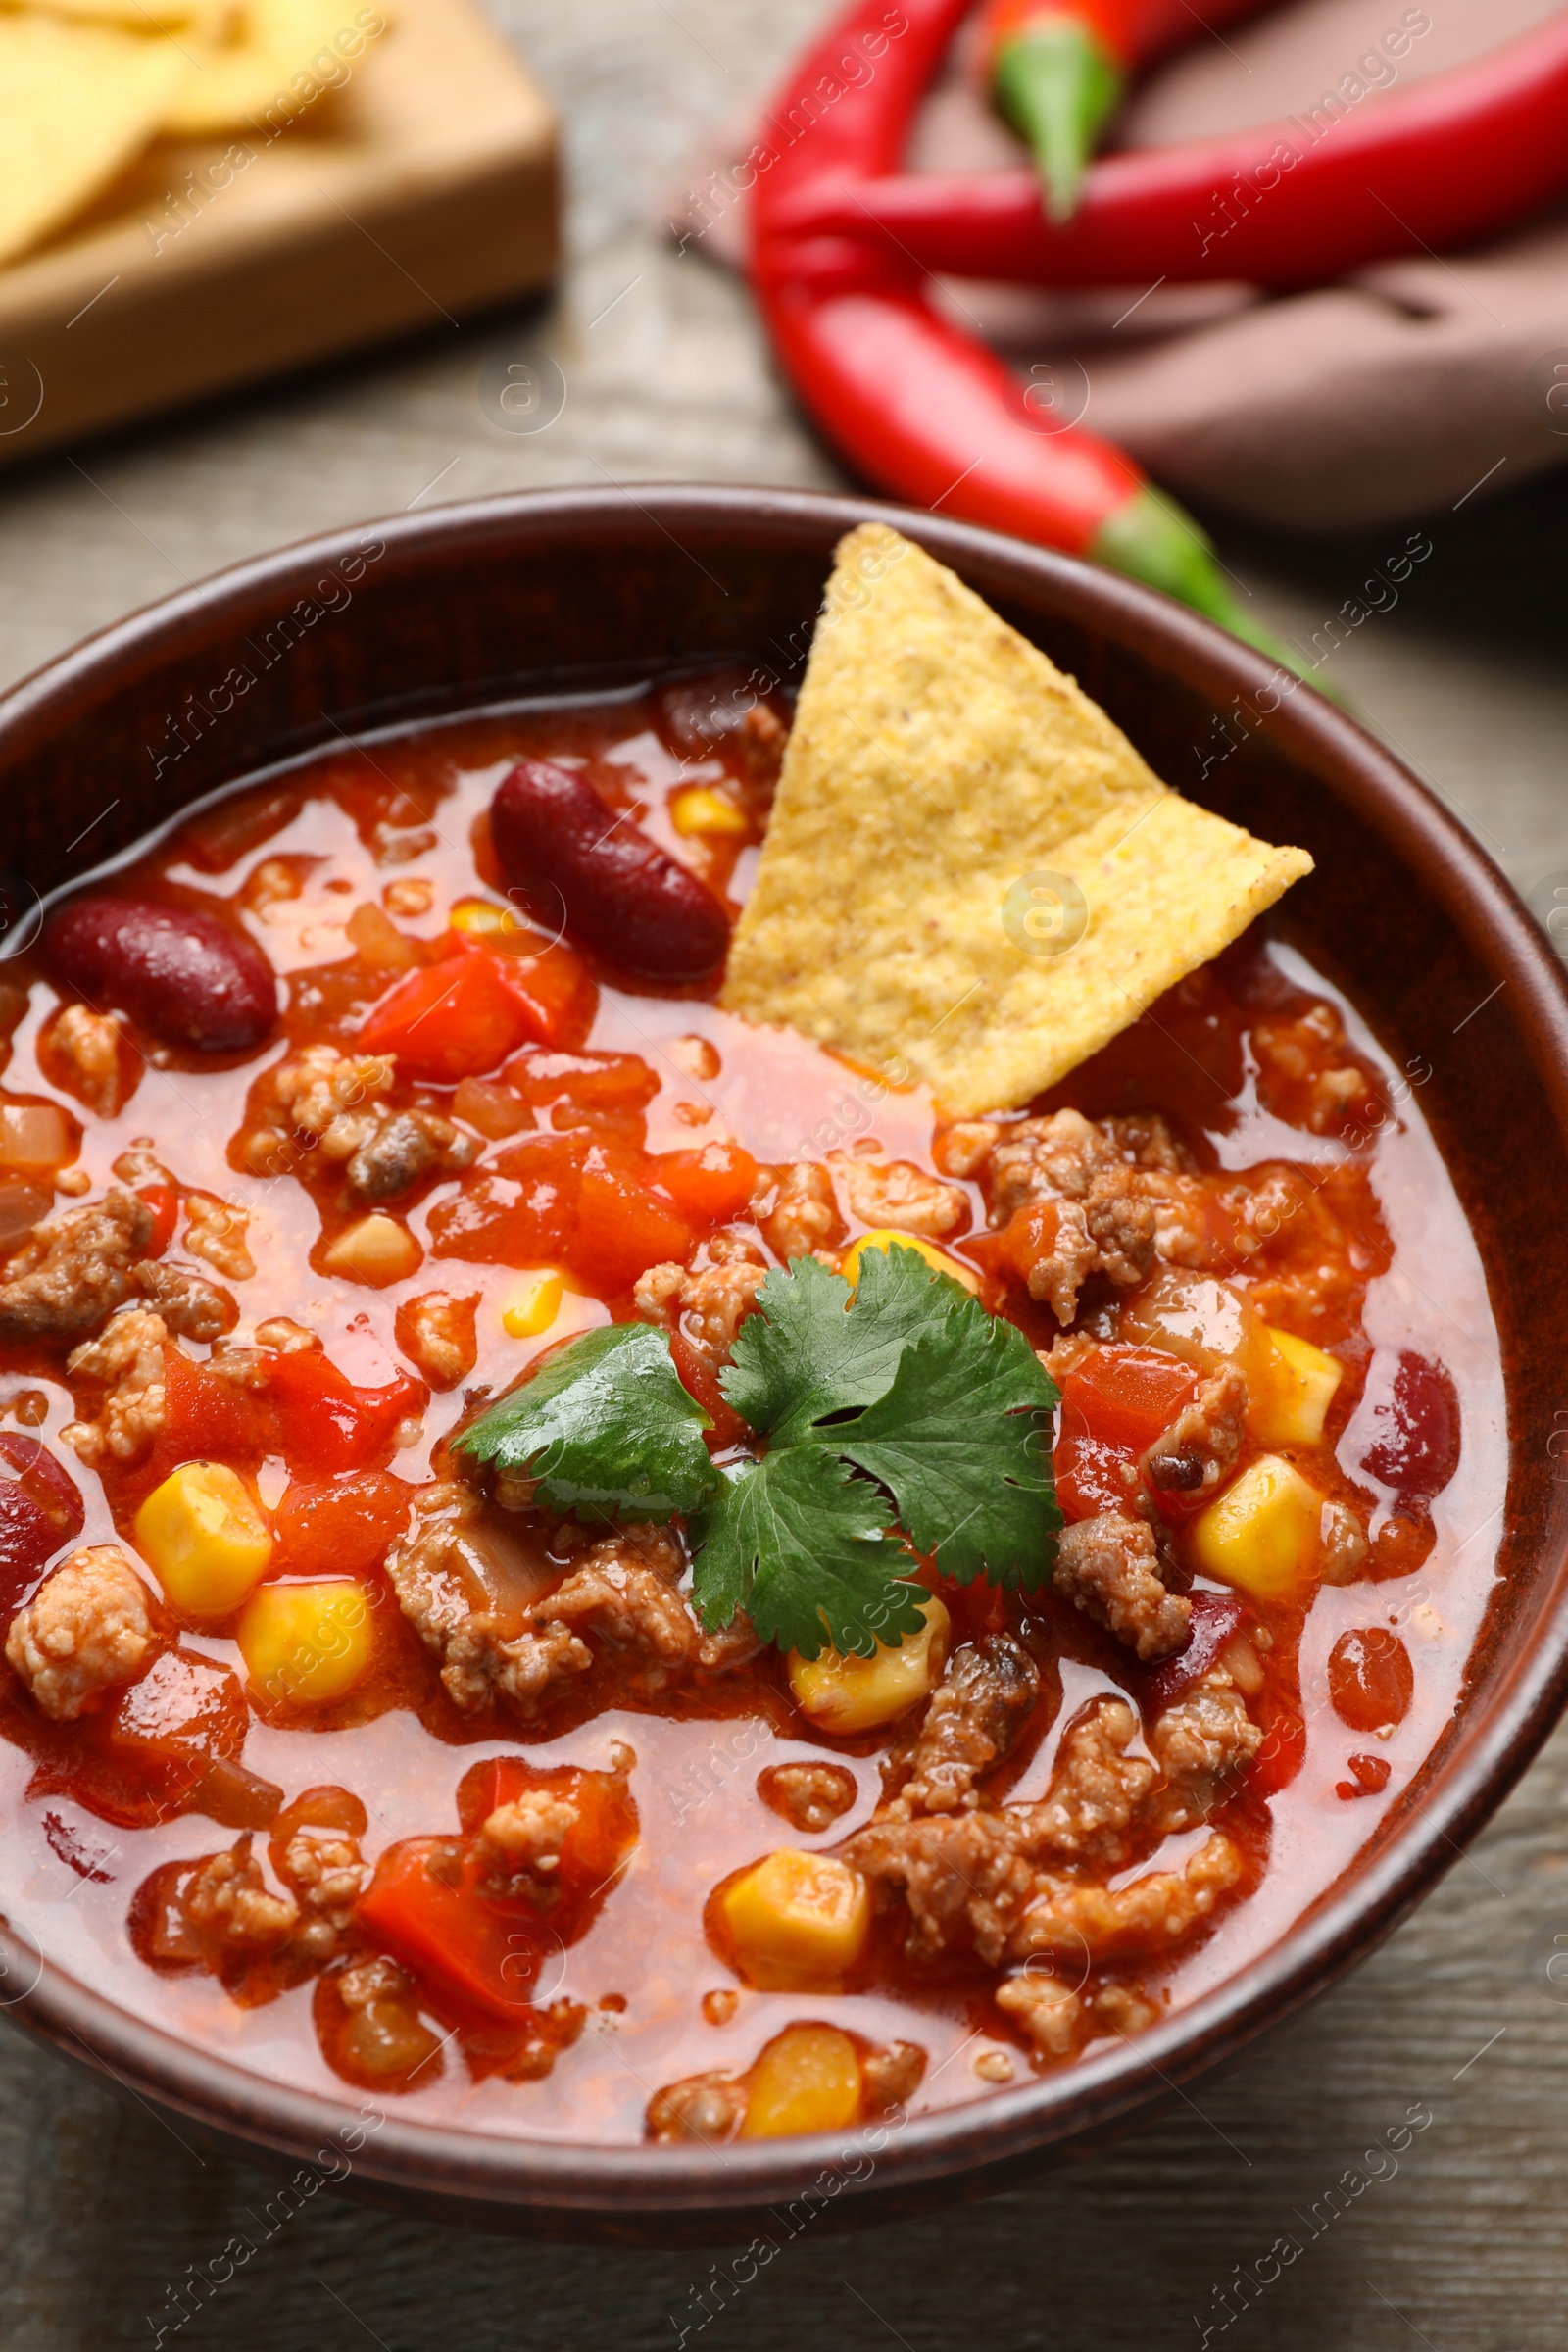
[136, 15]
[77, 102]
[969, 868]
[254, 76]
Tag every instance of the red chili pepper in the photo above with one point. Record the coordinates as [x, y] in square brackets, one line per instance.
[918, 407]
[1058, 73]
[1291, 204]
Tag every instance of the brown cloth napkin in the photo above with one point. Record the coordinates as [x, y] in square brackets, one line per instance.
[1411, 385]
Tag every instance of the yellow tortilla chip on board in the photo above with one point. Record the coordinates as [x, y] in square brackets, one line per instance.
[136, 15]
[269, 44]
[969, 868]
[77, 103]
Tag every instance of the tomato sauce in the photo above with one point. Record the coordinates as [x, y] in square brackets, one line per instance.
[610, 1122]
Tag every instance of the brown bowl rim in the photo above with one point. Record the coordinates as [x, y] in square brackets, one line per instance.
[630, 2192]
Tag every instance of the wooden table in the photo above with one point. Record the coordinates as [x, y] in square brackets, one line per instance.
[1465, 2248]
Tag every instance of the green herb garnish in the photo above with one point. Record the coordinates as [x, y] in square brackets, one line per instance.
[606, 1428]
[906, 1392]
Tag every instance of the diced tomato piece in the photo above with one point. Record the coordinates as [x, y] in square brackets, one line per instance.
[325, 1424]
[596, 1084]
[338, 1526]
[555, 992]
[453, 1019]
[185, 1714]
[701, 1383]
[164, 1201]
[602, 1835]
[709, 1185]
[623, 1228]
[426, 1905]
[1113, 1407]
[205, 1418]
[520, 1209]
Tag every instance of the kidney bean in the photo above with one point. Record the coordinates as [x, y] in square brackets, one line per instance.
[181, 974]
[1216, 1616]
[622, 893]
[1414, 1426]
[40, 1511]
[1371, 1681]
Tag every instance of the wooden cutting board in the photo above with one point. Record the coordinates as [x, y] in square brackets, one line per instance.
[418, 194]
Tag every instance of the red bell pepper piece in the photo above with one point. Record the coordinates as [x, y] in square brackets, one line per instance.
[914, 404]
[1296, 203]
[324, 1424]
[453, 1019]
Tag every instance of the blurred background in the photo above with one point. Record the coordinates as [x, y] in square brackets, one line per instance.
[645, 360]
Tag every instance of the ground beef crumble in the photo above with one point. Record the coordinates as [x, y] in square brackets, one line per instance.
[75, 1270]
[88, 1630]
[707, 1301]
[619, 1602]
[973, 1719]
[1110, 1568]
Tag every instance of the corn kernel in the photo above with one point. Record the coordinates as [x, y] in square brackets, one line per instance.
[203, 1535]
[304, 1644]
[1261, 1534]
[886, 1237]
[807, 2080]
[1292, 1389]
[535, 1307]
[697, 809]
[845, 1693]
[797, 1920]
[377, 1251]
[482, 919]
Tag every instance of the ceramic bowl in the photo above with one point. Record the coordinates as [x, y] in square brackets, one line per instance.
[458, 606]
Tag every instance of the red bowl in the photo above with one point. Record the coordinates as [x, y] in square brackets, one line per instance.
[455, 607]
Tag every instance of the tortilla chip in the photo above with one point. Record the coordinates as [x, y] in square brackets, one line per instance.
[136, 15]
[969, 868]
[77, 102]
[253, 76]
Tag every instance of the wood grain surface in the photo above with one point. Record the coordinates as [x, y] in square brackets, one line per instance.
[426, 182]
[1456, 2242]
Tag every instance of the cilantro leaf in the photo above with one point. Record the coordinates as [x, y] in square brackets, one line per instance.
[960, 1440]
[606, 1428]
[799, 1544]
[802, 1358]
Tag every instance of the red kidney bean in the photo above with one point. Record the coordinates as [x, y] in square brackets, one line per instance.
[1415, 1424]
[631, 903]
[181, 974]
[1371, 1681]
[1216, 1616]
[40, 1511]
